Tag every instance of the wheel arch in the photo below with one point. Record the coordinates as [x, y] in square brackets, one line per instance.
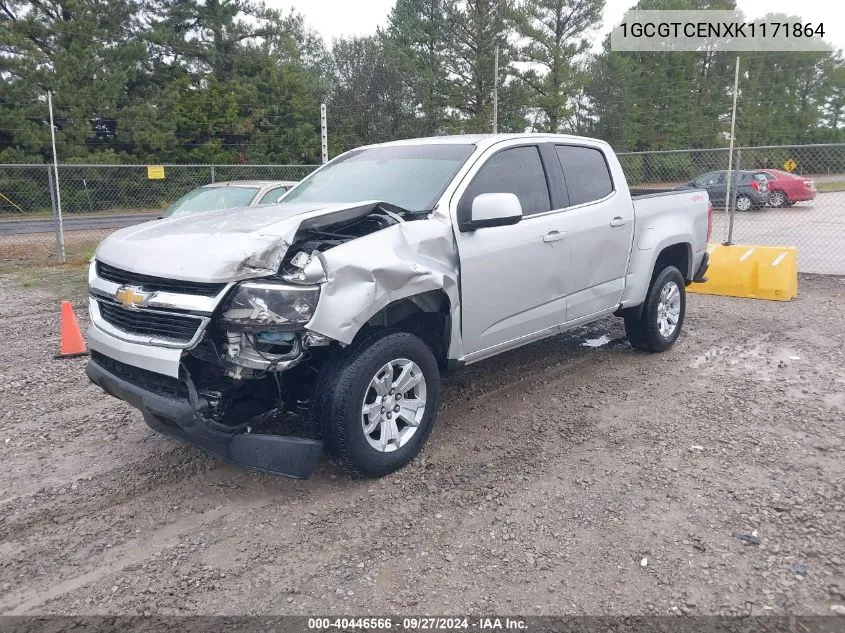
[678, 255]
[427, 314]
[672, 251]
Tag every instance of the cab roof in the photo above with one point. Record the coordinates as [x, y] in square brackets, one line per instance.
[485, 140]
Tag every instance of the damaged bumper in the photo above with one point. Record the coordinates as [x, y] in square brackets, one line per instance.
[171, 412]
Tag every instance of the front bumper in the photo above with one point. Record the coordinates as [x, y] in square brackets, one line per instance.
[175, 415]
[161, 360]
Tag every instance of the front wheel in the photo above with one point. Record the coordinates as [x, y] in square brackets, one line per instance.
[378, 402]
[658, 325]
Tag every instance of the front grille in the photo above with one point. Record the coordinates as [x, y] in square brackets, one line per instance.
[150, 284]
[161, 325]
[149, 380]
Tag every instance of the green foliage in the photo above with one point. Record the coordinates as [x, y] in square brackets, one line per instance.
[415, 47]
[231, 81]
[555, 34]
[475, 28]
[168, 81]
[649, 101]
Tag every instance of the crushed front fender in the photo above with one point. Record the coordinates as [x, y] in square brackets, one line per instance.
[367, 274]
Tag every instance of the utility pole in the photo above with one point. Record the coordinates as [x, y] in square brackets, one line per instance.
[731, 207]
[324, 134]
[496, 91]
[60, 232]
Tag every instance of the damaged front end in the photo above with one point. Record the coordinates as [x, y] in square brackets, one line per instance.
[264, 325]
[241, 389]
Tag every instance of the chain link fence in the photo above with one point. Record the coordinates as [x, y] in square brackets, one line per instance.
[780, 195]
[98, 199]
[786, 195]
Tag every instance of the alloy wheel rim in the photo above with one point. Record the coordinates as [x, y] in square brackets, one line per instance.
[743, 204]
[777, 199]
[394, 405]
[669, 309]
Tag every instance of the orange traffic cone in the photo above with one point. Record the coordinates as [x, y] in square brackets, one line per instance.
[72, 343]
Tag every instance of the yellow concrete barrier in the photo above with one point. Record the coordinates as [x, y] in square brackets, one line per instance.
[747, 270]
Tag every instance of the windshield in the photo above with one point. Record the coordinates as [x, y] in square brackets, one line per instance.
[412, 177]
[209, 199]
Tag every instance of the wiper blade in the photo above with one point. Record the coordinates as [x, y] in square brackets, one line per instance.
[394, 208]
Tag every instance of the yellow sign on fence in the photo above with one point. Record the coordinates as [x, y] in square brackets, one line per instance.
[155, 172]
[790, 165]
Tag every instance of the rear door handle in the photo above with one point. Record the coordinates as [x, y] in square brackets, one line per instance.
[554, 236]
[618, 222]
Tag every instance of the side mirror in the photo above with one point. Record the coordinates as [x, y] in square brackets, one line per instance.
[493, 209]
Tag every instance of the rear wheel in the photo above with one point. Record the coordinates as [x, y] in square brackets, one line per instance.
[744, 203]
[377, 402]
[777, 199]
[658, 325]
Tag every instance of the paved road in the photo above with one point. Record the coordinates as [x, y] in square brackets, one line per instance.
[816, 228]
[19, 226]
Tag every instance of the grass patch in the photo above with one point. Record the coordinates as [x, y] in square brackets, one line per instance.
[829, 187]
[64, 281]
[47, 214]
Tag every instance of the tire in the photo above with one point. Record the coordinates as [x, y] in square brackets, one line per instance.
[744, 203]
[346, 387]
[644, 331]
[778, 199]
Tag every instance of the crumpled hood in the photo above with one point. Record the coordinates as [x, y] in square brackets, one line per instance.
[214, 246]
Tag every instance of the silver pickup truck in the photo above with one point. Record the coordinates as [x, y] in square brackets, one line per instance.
[267, 335]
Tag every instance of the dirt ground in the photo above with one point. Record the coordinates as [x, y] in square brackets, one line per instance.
[568, 477]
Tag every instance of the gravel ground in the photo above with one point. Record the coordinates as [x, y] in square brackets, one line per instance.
[560, 479]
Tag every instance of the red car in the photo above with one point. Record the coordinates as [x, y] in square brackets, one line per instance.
[786, 189]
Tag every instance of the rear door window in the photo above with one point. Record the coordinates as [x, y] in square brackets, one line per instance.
[586, 173]
[704, 179]
[519, 171]
[272, 195]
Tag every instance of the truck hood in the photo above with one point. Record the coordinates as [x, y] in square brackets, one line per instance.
[215, 246]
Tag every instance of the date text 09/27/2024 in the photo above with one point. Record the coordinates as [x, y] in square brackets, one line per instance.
[419, 623]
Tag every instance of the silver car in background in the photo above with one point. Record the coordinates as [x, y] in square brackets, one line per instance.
[227, 195]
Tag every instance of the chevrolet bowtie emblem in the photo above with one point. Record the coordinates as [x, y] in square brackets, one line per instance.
[130, 296]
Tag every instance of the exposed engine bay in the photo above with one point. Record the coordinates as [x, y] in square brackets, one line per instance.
[256, 355]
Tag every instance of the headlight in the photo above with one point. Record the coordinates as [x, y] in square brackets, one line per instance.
[267, 306]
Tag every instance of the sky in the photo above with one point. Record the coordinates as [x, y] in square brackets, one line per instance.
[334, 18]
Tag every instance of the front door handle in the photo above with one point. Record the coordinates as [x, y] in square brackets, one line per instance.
[618, 222]
[554, 236]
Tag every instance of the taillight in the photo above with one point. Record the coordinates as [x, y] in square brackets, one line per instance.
[810, 184]
[709, 221]
[755, 185]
